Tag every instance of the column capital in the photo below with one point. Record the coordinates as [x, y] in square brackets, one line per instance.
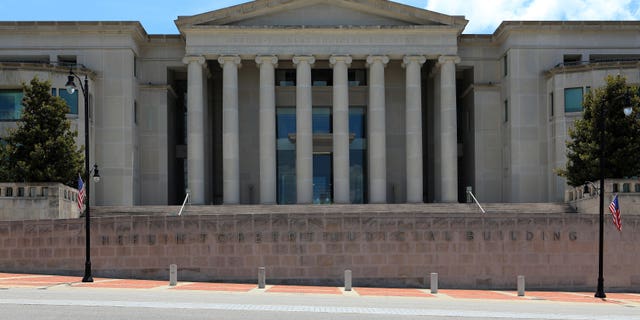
[445, 59]
[381, 58]
[340, 58]
[267, 59]
[413, 58]
[229, 59]
[309, 59]
[198, 59]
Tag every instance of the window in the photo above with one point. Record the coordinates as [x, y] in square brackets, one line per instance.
[358, 155]
[357, 77]
[572, 59]
[573, 99]
[321, 120]
[637, 187]
[286, 155]
[21, 192]
[26, 59]
[615, 188]
[551, 104]
[626, 187]
[8, 192]
[612, 57]
[67, 61]
[70, 99]
[10, 104]
[322, 77]
[506, 110]
[32, 191]
[505, 65]
[285, 77]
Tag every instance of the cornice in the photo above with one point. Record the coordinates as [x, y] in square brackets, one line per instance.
[115, 27]
[26, 66]
[613, 65]
[506, 27]
[282, 29]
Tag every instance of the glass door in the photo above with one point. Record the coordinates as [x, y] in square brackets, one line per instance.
[322, 178]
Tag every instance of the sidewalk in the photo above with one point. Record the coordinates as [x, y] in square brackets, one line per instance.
[10, 280]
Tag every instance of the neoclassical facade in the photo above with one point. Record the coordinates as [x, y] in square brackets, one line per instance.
[322, 101]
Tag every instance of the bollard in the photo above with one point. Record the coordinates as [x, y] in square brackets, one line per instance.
[262, 278]
[434, 283]
[173, 275]
[347, 280]
[520, 286]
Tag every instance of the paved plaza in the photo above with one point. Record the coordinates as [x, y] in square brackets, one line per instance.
[22, 295]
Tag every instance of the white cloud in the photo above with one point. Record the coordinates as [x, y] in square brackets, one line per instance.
[485, 16]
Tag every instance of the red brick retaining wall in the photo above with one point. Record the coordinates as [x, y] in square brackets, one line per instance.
[556, 251]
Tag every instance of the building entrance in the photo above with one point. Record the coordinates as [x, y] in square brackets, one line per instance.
[322, 178]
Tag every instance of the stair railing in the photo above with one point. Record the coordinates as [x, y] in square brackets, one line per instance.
[183, 203]
[476, 201]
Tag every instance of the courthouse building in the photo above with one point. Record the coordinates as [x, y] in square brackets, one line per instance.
[321, 101]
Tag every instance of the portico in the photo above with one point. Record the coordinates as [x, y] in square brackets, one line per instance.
[308, 88]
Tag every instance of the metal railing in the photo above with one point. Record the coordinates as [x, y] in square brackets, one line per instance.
[476, 201]
[186, 197]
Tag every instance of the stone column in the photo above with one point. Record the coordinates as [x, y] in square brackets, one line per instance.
[413, 127]
[304, 137]
[195, 127]
[448, 129]
[267, 65]
[377, 133]
[340, 66]
[230, 132]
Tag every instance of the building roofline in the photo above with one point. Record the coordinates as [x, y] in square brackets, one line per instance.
[260, 7]
[134, 27]
[584, 25]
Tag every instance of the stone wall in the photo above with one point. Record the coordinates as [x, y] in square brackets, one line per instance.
[557, 251]
[628, 191]
[32, 201]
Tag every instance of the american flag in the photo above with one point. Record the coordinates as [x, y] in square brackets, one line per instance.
[614, 207]
[80, 193]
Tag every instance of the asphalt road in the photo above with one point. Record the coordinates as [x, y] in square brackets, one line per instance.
[65, 302]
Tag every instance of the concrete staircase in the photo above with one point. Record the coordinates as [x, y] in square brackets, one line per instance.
[452, 208]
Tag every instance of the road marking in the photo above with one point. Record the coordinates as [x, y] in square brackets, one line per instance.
[312, 309]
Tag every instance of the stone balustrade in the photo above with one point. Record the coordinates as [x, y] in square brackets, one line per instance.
[34, 201]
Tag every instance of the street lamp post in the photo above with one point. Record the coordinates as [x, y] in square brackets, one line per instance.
[600, 290]
[71, 88]
[601, 119]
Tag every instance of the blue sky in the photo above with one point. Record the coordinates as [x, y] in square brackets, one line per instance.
[157, 15]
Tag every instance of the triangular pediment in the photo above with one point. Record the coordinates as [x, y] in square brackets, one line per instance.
[321, 13]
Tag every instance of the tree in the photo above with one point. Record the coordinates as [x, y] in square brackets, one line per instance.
[622, 135]
[42, 148]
